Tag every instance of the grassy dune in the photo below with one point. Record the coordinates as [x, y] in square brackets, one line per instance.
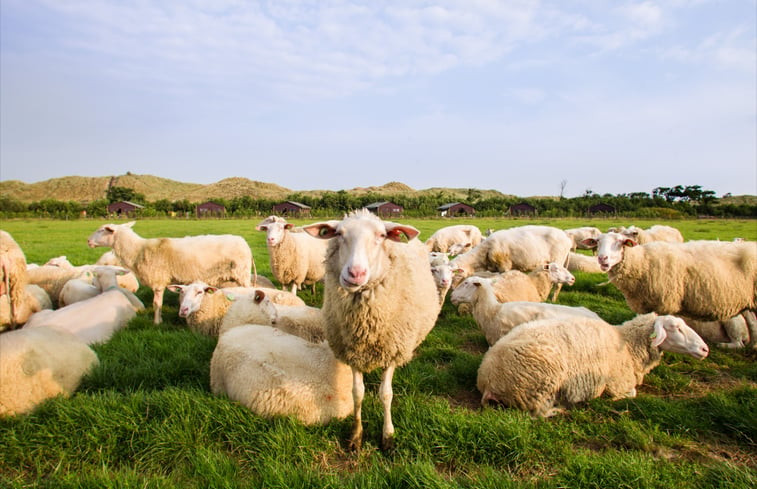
[145, 416]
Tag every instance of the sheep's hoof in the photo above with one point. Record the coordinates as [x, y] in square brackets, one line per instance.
[356, 441]
[387, 443]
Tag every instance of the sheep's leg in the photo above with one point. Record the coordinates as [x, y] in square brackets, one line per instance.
[294, 288]
[358, 391]
[751, 326]
[385, 391]
[157, 304]
[555, 291]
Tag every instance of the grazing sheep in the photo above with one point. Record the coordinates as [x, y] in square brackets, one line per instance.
[257, 308]
[454, 239]
[497, 319]
[277, 374]
[380, 302]
[296, 258]
[96, 319]
[545, 365]
[582, 263]
[658, 232]
[157, 262]
[580, 234]
[705, 280]
[442, 272]
[523, 248]
[38, 364]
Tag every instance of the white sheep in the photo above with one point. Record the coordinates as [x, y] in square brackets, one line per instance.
[658, 232]
[126, 280]
[216, 259]
[52, 279]
[454, 239]
[277, 374]
[38, 364]
[523, 248]
[35, 299]
[380, 302]
[296, 258]
[544, 366]
[96, 319]
[581, 233]
[705, 280]
[442, 272]
[109, 258]
[259, 308]
[583, 263]
[731, 333]
[78, 289]
[304, 321]
[19, 299]
[496, 319]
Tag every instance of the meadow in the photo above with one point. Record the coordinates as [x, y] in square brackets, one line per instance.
[145, 416]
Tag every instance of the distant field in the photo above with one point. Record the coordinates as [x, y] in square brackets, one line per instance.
[146, 418]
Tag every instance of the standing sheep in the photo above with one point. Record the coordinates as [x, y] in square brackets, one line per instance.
[454, 239]
[157, 262]
[38, 364]
[705, 280]
[296, 258]
[544, 364]
[277, 374]
[380, 302]
[497, 319]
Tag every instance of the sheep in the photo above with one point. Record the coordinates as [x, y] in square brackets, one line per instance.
[454, 239]
[546, 365]
[296, 258]
[442, 272]
[52, 279]
[581, 233]
[257, 308]
[59, 261]
[157, 262]
[583, 263]
[304, 321]
[109, 258]
[35, 299]
[126, 280]
[496, 319]
[704, 280]
[77, 289]
[658, 232]
[14, 279]
[277, 374]
[732, 333]
[96, 319]
[380, 302]
[38, 364]
[523, 248]
[205, 306]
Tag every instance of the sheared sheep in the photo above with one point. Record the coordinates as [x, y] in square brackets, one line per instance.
[497, 319]
[126, 280]
[296, 258]
[77, 289]
[580, 234]
[38, 364]
[277, 374]
[216, 259]
[658, 232]
[545, 365]
[380, 302]
[454, 239]
[582, 263]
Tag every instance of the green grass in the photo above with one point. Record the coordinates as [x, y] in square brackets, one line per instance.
[145, 416]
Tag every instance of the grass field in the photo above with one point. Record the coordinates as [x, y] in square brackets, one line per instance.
[145, 417]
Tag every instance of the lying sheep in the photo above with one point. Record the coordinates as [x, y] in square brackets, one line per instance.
[96, 319]
[303, 321]
[77, 289]
[157, 262]
[544, 366]
[13, 281]
[580, 234]
[277, 374]
[296, 258]
[583, 263]
[205, 306]
[127, 280]
[38, 364]
[731, 333]
[380, 302]
[658, 232]
[35, 299]
[454, 239]
[52, 279]
[705, 280]
[497, 319]
[261, 308]
[442, 273]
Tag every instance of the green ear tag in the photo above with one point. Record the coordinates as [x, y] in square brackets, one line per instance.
[653, 335]
[229, 297]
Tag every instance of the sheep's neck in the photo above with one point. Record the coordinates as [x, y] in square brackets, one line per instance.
[643, 355]
[485, 304]
[127, 247]
[542, 283]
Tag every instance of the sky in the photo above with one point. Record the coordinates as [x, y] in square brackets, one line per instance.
[526, 97]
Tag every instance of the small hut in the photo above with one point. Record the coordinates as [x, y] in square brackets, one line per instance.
[124, 208]
[522, 209]
[385, 209]
[601, 208]
[210, 209]
[291, 208]
[456, 209]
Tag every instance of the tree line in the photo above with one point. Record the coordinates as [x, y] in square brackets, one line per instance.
[663, 202]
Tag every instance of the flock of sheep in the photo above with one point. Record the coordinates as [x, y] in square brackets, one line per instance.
[383, 291]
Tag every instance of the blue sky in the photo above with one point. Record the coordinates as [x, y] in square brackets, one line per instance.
[517, 96]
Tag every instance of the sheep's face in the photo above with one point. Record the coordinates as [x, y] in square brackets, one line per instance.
[267, 306]
[190, 296]
[460, 248]
[360, 249]
[609, 248]
[467, 290]
[442, 275]
[559, 274]
[274, 231]
[106, 234]
[674, 335]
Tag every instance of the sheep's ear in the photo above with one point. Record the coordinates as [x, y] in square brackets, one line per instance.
[259, 296]
[630, 243]
[210, 289]
[288, 225]
[476, 283]
[659, 334]
[457, 271]
[590, 243]
[322, 230]
[399, 232]
[175, 288]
